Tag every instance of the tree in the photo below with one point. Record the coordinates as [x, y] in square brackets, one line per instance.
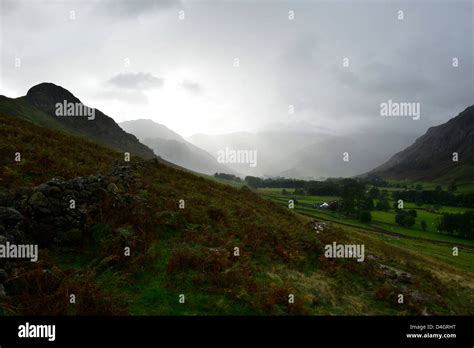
[423, 225]
[299, 192]
[412, 212]
[245, 188]
[461, 225]
[365, 216]
[384, 194]
[374, 192]
[366, 204]
[227, 176]
[352, 196]
[403, 218]
[253, 181]
[399, 217]
[383, 204]
[452, 187]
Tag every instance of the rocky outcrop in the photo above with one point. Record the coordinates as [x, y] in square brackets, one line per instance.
[59, 211]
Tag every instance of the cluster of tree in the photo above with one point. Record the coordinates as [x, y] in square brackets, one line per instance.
[405, 218]
[355, 202]
[436, 197]
[324, 188]
[256, 182]
[418, 187]
[461, 225]
[227, 176]
[313, 187]
[381, 197]
[452, 187]
[375, 180]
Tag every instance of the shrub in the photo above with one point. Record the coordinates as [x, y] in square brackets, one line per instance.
[404, 218]
[365, 216]
[412, 212]
[423, 225]
[383, 204]
[245, 188]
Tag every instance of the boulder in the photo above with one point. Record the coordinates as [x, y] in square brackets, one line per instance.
[10, 217]
[38, 200]
[6, 198]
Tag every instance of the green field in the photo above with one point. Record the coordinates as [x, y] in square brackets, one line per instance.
[380, 219]
[429, 243]
[465, 187]
[440, 253]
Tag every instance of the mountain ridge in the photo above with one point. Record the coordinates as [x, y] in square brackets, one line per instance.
[38, 106]
[173, 147]
[432, 155]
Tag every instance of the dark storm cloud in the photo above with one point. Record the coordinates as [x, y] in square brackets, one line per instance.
[283, 62]
[408, 60]
[136, 81]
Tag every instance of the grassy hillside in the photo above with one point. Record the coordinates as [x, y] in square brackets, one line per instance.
[39, 106]
[191, 251]
[19, 107]
[46, 153]
[443, 154]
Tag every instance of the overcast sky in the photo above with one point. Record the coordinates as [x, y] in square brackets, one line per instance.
[138, 59]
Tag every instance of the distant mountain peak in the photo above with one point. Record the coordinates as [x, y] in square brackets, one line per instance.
[146, 128]
[173, 147]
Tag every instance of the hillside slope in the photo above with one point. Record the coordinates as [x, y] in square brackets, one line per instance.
[142, 234]
[38, 106]
[431, 156]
